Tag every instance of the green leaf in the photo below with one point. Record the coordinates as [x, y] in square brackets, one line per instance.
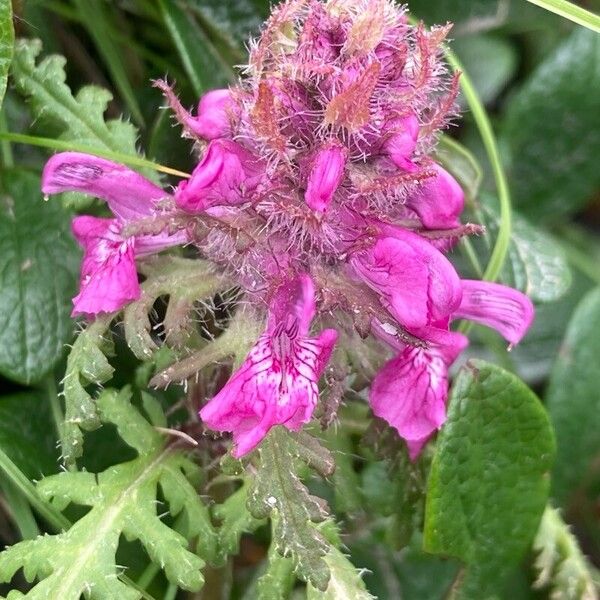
[122, 502]
[27, 434]
[560, 563]
[344, 582]
[95, 18]
[7, 38]
[573, 399]
[491, 62]
[535, 264]
[79, 118]
[553, 131]
[38, 265]
[203, 64]
[278, 489]
[86, 365]
[488, 483]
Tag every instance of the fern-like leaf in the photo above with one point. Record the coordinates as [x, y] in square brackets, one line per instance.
[86, 365]
[278, 490]
[122, 501]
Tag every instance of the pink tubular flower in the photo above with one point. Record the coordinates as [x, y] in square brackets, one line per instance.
[401, 144]
[438, 201]
[500, 307]
[416, 282]
[108, 273]
[325, 177]
[128, 195]
[410, 391]
[226, 174]
[277, 383]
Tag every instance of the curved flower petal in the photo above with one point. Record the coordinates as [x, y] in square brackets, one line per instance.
[439, 201]
[108, 272]
[401, 144]
[411, 389]
[325, 177]
[225, 176]
[417, 284]
[277, 383]
[500, 307]
[128, 195]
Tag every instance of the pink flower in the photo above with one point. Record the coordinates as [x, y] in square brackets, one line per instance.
[225, 177]
[216, 112]
[277, 383]
[410, 391]
[128, 195]
[325, 177]
[402, 143]
[438, 201]
[108, 272]
[500, 307]
[416, 282]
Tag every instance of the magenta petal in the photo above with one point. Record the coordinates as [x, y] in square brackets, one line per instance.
[129, 195]
[439, 201]
[500, 307]
[277, 383]
[108, 272]
[416, 282]
[402, 143]
[215, 113]
[410, 393]
[325, 177]
[225, 177]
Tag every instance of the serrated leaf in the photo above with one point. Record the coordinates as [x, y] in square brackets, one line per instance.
[345, 581]
[235, 520]
[573, 399]
[553, 130]
[535, 263]
[39, 262]
[27, 433]
[278, 489]
[7, 38]
[122, 501]
[488, 483]
[79, 117]
[86, 365]
[560, 564]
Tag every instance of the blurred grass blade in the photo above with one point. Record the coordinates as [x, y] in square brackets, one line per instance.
[128, 159]
[205, 67]
[100, 28]
[571, 11]
[7, 38]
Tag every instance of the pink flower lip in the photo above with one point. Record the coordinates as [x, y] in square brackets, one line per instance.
[108, 271]
[277, 383]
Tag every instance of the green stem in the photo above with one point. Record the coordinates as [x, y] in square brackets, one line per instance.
[57, 412]
[20, 511]
[54, 518]
[571, 11]
[5, 149]
[482, 121]
[136, 161]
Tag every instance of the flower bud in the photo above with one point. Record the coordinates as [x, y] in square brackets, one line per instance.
[325, 177]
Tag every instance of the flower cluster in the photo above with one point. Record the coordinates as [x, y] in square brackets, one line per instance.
[317, 194]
